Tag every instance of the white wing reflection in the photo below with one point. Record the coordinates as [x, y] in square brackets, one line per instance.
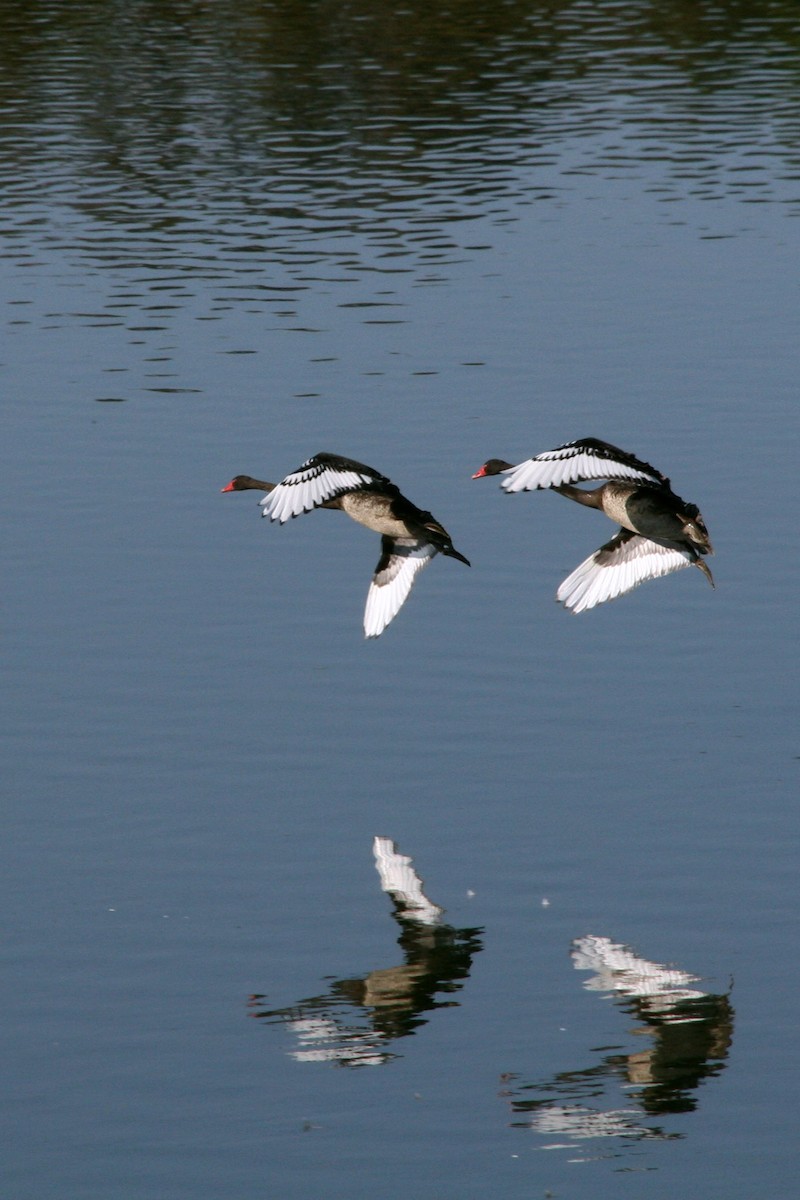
[688, 1035]
[578, 1123]
[355, 1022]
[619, 971]
[403, 884]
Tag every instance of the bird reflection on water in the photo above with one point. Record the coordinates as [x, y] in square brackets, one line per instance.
[690, 1033]
[355, 1021]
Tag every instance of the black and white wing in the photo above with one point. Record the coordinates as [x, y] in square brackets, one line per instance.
[400, 563]
[403, 884]
[321, 478]
[577, 462]
[618, 567]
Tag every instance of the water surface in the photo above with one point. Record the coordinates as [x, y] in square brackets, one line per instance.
[234, 235]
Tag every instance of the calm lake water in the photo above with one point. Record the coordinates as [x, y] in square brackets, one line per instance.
[234, 235]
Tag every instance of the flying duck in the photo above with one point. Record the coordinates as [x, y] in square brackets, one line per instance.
[660, 533]
[410, 537]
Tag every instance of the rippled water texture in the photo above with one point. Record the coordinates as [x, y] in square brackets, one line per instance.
[502, 902]
[264, 151]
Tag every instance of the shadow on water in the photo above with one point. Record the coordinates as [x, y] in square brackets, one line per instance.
[355, 1021]
[689, 1034]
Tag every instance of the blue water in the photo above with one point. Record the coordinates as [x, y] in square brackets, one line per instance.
[199, 744]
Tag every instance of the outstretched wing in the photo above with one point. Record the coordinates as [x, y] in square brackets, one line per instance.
[586, 459]
[401, 561]
[618, 567]
[319, 479]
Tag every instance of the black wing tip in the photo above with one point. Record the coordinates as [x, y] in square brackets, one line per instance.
[607, 450]
[341, 463]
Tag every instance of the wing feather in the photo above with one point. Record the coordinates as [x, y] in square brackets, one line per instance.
[316, 481]
[400, 563]
[618, 567]
[576, 462]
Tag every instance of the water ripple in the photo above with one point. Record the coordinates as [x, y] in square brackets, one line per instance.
[202, 144]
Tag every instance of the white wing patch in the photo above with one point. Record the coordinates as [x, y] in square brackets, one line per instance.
[308, 487]
[613, 571]
[571, 464]
[391, 584]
